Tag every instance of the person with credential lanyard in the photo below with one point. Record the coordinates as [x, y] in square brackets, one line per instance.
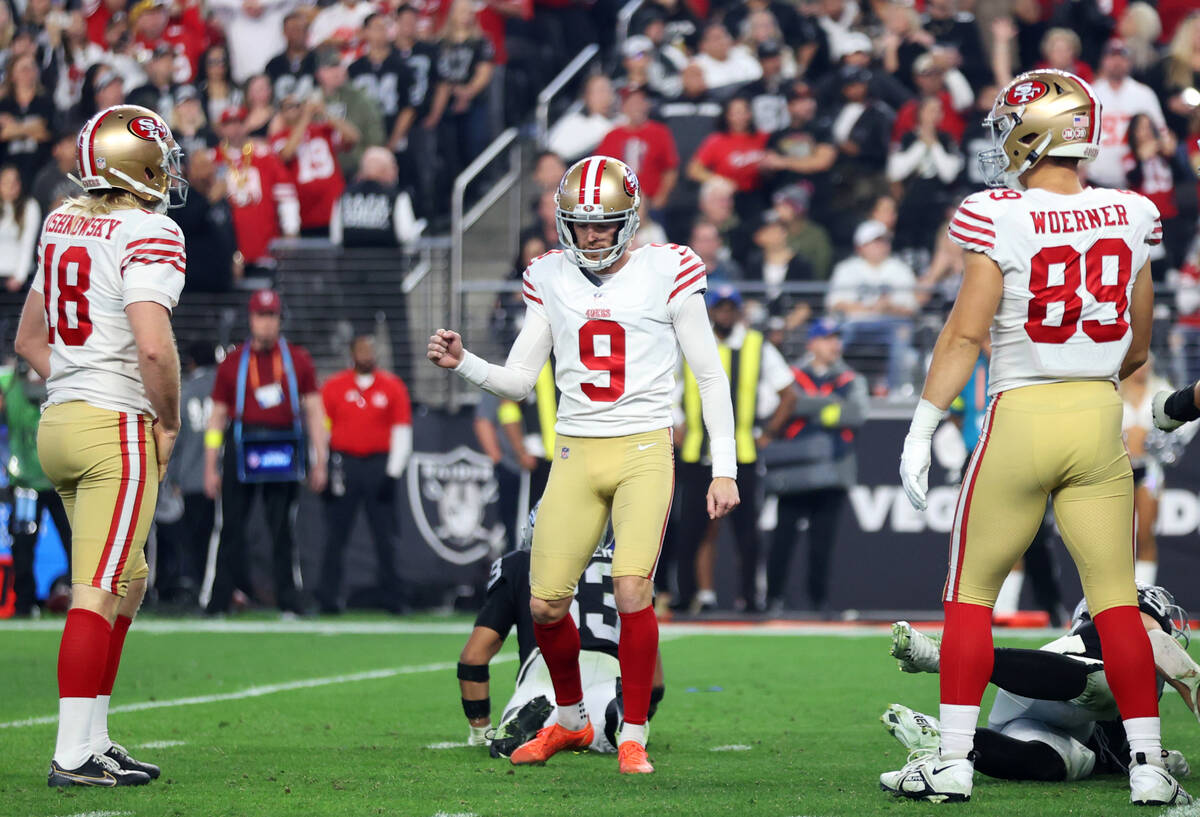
[268, 417]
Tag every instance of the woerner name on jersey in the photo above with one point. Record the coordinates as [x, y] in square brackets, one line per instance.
[1071, 221]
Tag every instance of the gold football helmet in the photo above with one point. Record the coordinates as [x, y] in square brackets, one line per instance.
[597, 189]
[1040, 113]
[131, 148]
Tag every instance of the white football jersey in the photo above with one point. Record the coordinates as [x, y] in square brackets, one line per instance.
[615, 351]
[89, 269]
[1069, 264]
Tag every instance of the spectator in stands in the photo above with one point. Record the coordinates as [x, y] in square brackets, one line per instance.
[860, 128]
[123, 56]
[873, 293]
[465, 65]
[716, 200]
[1060, 50]
[837, 19]
[253, 31]
[306, 142]
[1122, 97]
[958, 32]
[158, 92]
[384, 76]
[768, 93]
[1154, 169]
[761, 27]
[189, 125]
[649, 231]
[646, 146]
[216, 86]
[261, 192]
[735, 150]
[938, 285]
[903, 41]
[207, 221]
[417, 152]
[548, 170]
[97, 18]
[339, 24]
[690, 118]
[26, 116]
[72, 55]
[264, 398]
[52, 183]
[508, 310]
[260, 105]
[1140, 28]
[102, 88]
[1178, 72]
[859, 52]
[293, 70]
[345, 102]
[776, 263]
[577, 133]
[1185, 335]
[680, 23]
[706, 241]
[375, 211]
[812, 465]
[20, 222]
[807, 238]
[725, 63]
[545, 226]
[924, 166]
[370, 425]
[757, 21]
[643, 63]
[949, 86]
[803, 151]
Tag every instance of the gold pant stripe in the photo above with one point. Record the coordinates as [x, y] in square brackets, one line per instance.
[1062, 441]
[104, 466]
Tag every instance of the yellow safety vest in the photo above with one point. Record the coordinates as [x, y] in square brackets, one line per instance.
[546, 405]
[745, 399]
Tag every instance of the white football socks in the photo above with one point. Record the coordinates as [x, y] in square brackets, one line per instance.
[1008, 600]
[74, 745]
[958, 728]
[100, 740]
[1145, 571]
[635, 732]
[573, 717]
[1145, 735]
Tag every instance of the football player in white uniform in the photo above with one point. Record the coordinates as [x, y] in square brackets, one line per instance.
[615, 320]
[1060, 276]
[97, 326]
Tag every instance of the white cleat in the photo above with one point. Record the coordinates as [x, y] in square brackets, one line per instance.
[1158, 408]
[1176, 764]
[913, 650]
[915, 731]
[927, 776]
[1152, 785]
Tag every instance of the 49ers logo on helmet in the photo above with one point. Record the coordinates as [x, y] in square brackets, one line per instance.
[1025, 92]
[148, 128]
[631, 183]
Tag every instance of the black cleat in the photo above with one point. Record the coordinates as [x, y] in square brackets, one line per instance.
[96, 771]
[523, 728]
[120, 754]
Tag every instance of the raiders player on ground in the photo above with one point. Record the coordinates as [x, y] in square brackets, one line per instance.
[507, 606]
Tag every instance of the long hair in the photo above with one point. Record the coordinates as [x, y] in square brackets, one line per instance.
[22, 199]
[452, 33]
[9, 88]
[1135, 175]
[1179, 53]
[103, 202]
[723, 119]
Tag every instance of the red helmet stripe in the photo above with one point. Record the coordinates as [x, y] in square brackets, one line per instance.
[583, 180]
[599, 178]
[91, 143]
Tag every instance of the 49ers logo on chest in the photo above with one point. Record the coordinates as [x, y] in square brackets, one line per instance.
[1025, 92]
[148, 128]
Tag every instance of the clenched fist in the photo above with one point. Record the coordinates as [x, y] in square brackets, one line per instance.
[445, 348]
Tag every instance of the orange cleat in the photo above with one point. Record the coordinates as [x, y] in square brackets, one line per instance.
[549, 741]
[632, 756]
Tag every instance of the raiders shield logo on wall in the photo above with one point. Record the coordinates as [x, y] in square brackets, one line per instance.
[449, 495]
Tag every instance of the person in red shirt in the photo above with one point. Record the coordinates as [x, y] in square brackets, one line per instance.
[267, 413]
[930, 79]
[307, 144]
[370, 422]
[262, 193]
[646, 146]
[180, 27]
[734, 150]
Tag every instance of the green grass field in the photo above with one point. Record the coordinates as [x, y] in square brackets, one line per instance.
[338, 718]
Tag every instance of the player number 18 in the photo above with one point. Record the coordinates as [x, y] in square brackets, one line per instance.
[71, 277]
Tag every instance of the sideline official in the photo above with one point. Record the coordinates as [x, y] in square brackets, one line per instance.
[266, 414]
[370, 422]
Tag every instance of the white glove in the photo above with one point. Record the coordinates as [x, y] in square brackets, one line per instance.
[914, 459]
[478, 735]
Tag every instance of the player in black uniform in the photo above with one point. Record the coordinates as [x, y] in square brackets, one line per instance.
[1054, 717]
[506, 606]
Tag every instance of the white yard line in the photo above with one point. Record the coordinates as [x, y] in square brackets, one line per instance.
[161, 744]
[267, 689]
[101, 814]
[733, 747]
[448, 745]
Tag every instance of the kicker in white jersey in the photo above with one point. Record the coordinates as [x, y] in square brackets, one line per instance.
[614, 342]
[89, 269]
[1069, 265]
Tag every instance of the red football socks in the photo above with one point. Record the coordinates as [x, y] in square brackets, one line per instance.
[967, 653]
[1128, 661]
[637, 652]
[116, 643]
[559, 643]
[83, 654]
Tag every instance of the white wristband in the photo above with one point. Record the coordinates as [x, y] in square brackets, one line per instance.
[472, 368]
[724, 457]
[926, 419]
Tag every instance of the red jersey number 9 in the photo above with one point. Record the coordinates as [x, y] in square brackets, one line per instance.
[613, 362]
[74, 325]
[1088, 270]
